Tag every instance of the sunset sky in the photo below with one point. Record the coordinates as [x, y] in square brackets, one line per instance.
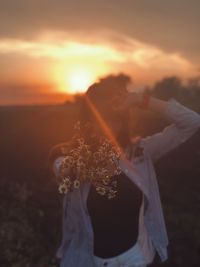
[52, 47]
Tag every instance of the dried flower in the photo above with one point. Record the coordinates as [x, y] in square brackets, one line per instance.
[67, 181]
[92, 159]
[76, 183]
[112, 194]
[63, 189]
[101, 190]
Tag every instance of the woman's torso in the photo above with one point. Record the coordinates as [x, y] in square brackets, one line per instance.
[115, 221]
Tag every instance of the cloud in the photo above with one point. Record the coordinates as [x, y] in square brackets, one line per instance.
[116, 48]
[170, 25]
[67, 49]
[50, 57]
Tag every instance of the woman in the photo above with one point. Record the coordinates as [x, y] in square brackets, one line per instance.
[129, 229]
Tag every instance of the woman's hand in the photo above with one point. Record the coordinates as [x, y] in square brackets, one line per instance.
[125, 100]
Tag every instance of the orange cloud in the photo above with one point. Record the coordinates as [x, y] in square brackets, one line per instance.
[98, 55]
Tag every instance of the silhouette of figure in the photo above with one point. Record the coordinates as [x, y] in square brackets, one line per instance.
[129, 229]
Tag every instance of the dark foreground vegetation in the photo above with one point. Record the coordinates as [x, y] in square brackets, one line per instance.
[31, 207]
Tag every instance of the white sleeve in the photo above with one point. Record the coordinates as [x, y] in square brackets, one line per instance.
[56, 165]
[184, 123]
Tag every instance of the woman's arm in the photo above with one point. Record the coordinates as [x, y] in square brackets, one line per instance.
[130, 99]
[157, 105]
[184, 122]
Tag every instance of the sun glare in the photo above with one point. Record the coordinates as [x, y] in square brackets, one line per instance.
[76, 78]
[79, 81]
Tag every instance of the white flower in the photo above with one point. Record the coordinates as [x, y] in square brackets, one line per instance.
[76, 183]
[67, 181]
[101, 190]
[112, 194]
[63, 189]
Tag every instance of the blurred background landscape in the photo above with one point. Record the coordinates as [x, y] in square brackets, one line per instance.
[50, 53]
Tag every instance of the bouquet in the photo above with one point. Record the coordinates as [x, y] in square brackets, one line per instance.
[90, 158]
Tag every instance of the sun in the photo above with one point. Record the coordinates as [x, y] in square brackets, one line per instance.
[75, 78]
[79, 80]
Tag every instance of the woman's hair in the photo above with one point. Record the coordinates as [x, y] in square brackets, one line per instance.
[100, 97]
